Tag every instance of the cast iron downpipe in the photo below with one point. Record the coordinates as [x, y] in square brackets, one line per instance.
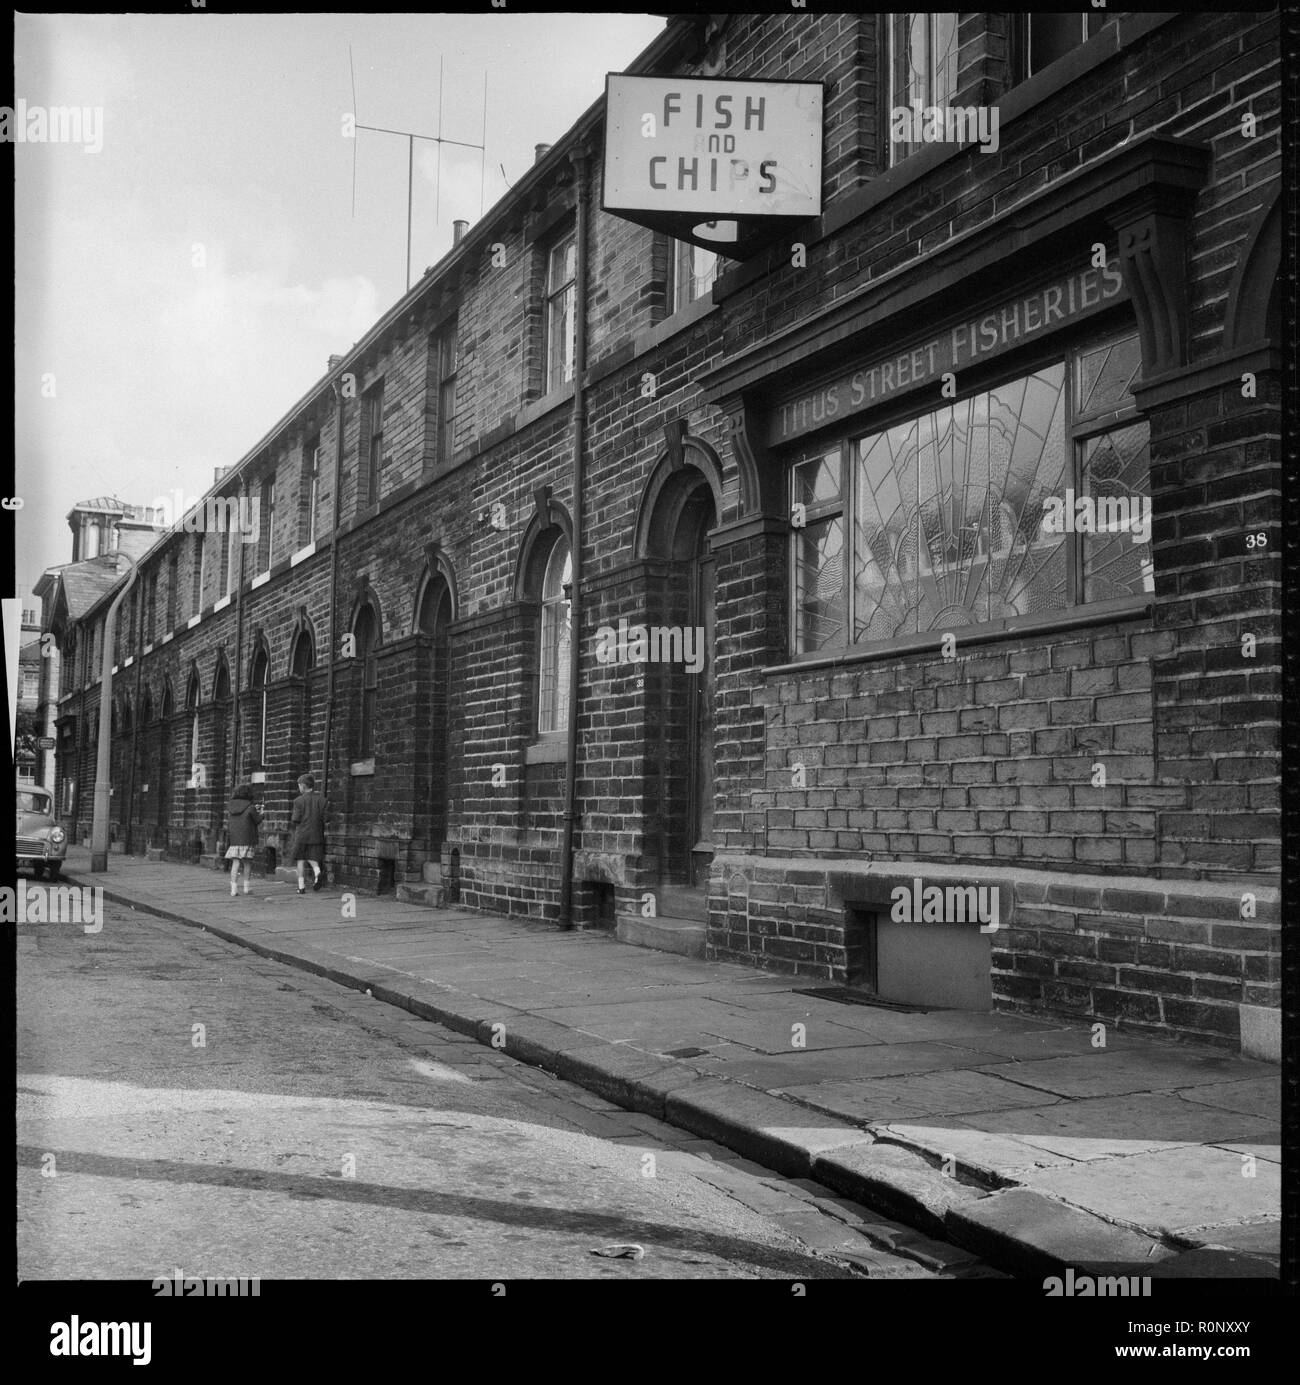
[236, 758]
[334, 585]
[579, 161]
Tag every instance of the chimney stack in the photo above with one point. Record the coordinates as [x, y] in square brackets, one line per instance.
[540, 151]
[458, 229]
[335, 362]
[218, 472]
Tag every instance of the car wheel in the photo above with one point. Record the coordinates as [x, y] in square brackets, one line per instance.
[53, 868]
[38, 871]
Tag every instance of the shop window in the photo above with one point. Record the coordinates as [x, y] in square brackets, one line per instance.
[1026, 498]
[922, 54]
[561, 307]
[553, 663]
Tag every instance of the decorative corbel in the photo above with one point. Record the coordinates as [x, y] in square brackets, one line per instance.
[749, 451]
[1153, 237]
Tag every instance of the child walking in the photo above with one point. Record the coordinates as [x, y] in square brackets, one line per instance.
[244, 816]
[308, 824]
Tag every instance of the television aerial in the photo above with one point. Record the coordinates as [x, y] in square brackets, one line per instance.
[411, 136]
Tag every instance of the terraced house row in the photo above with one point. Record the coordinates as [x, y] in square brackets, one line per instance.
[964, 491]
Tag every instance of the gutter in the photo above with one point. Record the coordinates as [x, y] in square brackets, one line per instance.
[580, 159]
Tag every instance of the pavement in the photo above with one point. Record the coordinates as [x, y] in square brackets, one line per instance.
[1037, 1143]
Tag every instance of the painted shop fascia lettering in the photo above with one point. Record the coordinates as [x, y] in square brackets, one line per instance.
[972, 340]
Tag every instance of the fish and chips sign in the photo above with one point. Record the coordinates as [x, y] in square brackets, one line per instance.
[719, 162]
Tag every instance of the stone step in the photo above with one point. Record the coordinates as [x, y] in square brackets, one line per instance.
[684, 936]
[681, 902]
[431, 895]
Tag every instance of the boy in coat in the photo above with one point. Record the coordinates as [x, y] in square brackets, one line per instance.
[308, 824]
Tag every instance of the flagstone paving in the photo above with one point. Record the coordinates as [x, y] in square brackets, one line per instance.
[1134, 1130]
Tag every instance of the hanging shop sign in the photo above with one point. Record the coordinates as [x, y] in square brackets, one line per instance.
[719, 162]
[971, 340]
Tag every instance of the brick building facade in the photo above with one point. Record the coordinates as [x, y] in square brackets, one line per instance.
[835, 463]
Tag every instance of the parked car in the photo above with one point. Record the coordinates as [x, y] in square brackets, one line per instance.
[41, 842]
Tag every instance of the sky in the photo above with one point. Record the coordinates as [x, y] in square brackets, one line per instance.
[179, 289]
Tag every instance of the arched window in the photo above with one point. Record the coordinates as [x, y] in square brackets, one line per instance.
[257, 681]
[302, 659]
[193, 697]
[553, 659]
[366, 631]
[433, 617]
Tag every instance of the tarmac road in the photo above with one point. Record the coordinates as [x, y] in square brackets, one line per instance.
[186, 1106]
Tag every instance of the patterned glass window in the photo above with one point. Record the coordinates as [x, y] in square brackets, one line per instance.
[1026, 498]
[819, 552]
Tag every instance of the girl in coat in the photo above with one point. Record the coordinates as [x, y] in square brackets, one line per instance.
[244, 815]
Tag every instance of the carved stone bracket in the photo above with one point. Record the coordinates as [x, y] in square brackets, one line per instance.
[1153, 260]
[753, 468]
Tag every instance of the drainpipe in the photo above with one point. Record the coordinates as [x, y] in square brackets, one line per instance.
[236, 758]
[579, 159]
[79, 762]
[337, 386]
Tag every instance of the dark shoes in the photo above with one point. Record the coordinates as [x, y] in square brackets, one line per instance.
[319, 881]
